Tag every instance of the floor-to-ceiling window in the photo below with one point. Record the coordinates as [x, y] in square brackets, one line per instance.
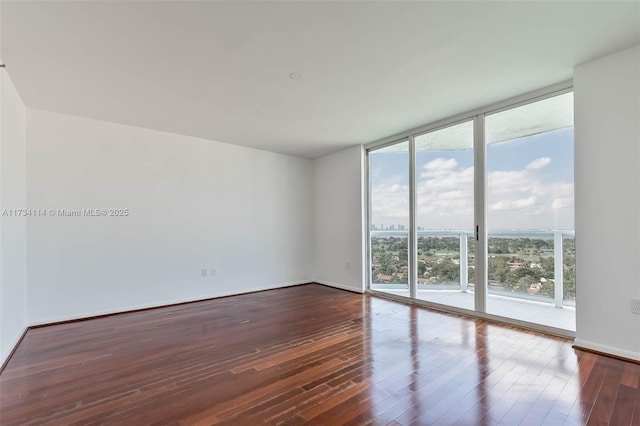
[389, 218]
[530, 212]
[478, 213]
[444, 215]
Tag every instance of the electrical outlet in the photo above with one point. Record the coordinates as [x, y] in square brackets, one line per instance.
[214, 272]
[635, 306]
[348, 266]
[204, 272]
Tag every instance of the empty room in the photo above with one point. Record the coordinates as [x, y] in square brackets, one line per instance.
[319, 212]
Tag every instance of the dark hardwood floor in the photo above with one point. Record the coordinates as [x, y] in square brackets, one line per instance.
[308, 354]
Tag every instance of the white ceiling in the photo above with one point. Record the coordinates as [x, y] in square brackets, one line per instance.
[220, 70]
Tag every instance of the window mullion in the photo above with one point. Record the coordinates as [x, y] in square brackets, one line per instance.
[413, 238]
[480, 229]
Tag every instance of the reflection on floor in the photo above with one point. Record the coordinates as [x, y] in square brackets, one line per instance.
[309, 355]
[509, 307]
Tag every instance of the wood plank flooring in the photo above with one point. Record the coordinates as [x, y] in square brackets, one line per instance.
[308, 355]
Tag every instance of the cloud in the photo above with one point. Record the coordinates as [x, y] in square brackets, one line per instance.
[562, 196]
[390, 204]
[444, 195]
[439, 166]
[516, 199]
[539, 163]
[513, 204]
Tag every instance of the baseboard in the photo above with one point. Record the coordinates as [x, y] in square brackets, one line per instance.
[340, 286]
[155, 305]
[15, 345]
[607, 350]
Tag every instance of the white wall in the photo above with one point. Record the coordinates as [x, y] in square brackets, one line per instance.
[193, 203]
[13, 280]
[338, 207]
[607, 168]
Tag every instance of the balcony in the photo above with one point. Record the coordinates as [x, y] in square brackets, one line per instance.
[531, 272]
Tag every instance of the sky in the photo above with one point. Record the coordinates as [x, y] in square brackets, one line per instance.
[530, 185]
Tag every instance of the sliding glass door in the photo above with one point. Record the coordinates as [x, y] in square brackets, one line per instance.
[478, 214]
[444, 215]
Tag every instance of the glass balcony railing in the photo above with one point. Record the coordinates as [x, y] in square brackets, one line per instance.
[534, 265]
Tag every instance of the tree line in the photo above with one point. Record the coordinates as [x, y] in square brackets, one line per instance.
[515, 264]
